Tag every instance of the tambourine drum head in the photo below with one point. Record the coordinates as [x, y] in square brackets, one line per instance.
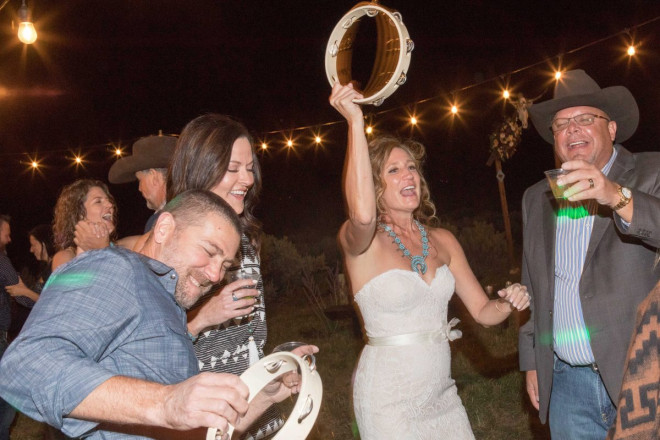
[345, 59]
[304, 408]
[358, 64]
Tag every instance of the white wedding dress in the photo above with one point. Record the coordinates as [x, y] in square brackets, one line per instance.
[403, 388]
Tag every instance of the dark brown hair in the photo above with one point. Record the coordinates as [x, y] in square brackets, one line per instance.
[201, 159]
[70, 209]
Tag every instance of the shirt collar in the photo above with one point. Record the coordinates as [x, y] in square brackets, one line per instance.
[608, 166]
[166, 275]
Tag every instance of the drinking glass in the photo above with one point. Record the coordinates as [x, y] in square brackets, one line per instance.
[552, 176]
[245, 274]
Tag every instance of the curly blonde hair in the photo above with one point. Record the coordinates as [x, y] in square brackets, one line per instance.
[70, 209]
[379, 151]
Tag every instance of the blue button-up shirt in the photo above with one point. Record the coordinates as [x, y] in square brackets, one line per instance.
[574, 225]
[105, 313]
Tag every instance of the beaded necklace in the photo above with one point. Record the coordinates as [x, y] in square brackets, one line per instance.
[417, 262]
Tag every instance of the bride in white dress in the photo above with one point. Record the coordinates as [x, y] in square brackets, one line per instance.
[403, 271]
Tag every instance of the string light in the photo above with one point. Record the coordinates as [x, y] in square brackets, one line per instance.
[414, 119]
[26, 31]
[631, 43]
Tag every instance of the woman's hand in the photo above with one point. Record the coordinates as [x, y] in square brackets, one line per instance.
[516, 295]
[233, 300]
[89, 235]
[18, 289]
[342, 98]
[288, 384]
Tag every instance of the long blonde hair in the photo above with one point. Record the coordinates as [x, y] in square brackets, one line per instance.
[379, 151]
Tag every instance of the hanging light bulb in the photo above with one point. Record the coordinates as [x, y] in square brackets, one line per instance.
[27, 34]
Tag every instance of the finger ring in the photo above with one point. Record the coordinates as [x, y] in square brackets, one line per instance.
[233, 296]
[591, 183]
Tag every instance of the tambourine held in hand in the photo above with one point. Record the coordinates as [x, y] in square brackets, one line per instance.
[392, 58]
[308, 403]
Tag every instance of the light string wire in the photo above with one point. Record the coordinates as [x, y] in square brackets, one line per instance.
[267, 136]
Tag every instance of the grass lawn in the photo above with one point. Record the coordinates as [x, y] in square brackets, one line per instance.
[484, 365]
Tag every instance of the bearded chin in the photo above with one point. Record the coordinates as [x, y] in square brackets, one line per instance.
[184, 300]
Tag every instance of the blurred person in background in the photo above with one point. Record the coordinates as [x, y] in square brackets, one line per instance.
[8, 276]
[88, 200]
[148, 165]
[43, 249]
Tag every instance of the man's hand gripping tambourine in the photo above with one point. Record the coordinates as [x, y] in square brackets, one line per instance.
[281, 375]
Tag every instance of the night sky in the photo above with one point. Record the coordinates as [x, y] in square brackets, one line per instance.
[115, 70]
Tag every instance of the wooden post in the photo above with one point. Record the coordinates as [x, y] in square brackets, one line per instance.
[505, 212]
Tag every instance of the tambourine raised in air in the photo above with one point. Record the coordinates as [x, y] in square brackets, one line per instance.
[392, 57]
[308, 403]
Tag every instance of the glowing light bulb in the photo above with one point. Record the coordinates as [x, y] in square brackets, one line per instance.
[413, 120]
[631, 50]
[264, 146]
[506, 94]
[35, 164]
[27, 34]
[289, 143]
[118, 152]
[454, 109]
[78, 160]
[558, 75]
[369, 129]
[317, 139]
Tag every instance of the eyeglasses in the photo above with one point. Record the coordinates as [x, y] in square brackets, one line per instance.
[584, 119]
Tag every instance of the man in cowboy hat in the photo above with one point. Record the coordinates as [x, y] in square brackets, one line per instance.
[148, 164]
[588, 259]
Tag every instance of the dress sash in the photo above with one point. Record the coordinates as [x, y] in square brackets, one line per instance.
[434, 337]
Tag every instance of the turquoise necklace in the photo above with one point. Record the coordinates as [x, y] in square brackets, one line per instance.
[417, 262]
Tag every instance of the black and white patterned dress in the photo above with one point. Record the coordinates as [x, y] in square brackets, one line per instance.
[226, 349]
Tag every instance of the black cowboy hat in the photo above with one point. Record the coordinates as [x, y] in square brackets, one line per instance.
[576, 89]
[148, 152]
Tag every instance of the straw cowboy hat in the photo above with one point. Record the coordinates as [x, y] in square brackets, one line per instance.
[576, 89]
[148, 152]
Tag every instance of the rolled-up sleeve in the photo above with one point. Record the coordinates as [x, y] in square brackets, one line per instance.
[82, 315]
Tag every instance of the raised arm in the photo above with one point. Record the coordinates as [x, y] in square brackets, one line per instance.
[358, 231]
